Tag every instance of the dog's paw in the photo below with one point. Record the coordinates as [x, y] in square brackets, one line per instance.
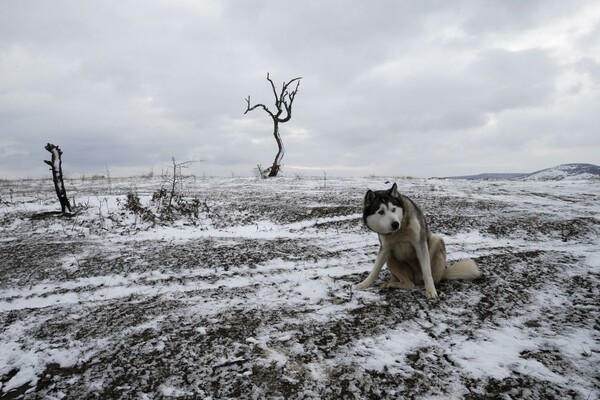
[362, 286]
[397, 285]
[388, 285]
[431, 293]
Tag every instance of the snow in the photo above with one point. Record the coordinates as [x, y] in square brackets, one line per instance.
[388, 350]
[494, 354]
[255, 298]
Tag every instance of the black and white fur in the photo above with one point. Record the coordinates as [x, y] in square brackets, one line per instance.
[411, 253]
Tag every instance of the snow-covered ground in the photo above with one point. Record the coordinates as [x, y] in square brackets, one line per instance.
[252, 296]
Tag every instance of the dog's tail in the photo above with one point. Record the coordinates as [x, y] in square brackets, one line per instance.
[463, 269]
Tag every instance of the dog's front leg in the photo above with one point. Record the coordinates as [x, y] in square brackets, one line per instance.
[425, 263]
[382, 257]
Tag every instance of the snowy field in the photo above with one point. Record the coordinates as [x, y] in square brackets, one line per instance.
[246, 291]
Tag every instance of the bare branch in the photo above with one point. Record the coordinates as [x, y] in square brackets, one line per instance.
[292, 81]
[277, 100]
[248, 108]
[291, 96]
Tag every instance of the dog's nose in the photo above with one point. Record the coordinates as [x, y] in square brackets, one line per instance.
[395, 224]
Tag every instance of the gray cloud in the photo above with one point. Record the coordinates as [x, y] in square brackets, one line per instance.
[421, 87]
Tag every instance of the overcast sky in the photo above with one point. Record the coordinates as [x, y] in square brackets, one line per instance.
[420, 88]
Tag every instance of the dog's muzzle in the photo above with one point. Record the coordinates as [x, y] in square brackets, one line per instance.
[395, 225]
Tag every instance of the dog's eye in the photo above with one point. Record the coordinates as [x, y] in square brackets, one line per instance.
[394, 209]
[381, 212]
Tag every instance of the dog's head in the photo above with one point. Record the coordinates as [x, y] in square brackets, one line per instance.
[383, 210]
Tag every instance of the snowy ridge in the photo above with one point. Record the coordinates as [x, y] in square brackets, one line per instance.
[560, 172]
[565, 172]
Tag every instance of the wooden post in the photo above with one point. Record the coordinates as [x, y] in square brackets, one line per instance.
[59, 185]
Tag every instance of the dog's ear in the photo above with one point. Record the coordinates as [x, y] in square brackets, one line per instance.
[394, 191]
[369, 197]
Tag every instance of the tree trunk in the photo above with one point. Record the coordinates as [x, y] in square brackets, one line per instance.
[274, 170]
[59, 185]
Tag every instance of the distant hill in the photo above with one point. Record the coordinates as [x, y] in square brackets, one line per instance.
[489, 176]
[560, 172]
[565, 171]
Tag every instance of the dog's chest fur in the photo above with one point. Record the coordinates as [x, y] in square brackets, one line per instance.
[403, 251]
[402, 242]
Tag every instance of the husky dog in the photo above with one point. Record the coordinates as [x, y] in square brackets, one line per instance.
[412, 254]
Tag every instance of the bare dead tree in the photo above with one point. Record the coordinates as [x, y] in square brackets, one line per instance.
[178, 176]
[57, 176]
[283, 104]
